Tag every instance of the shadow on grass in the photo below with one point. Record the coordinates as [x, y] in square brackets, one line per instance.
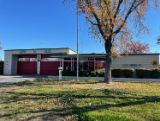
[70, 101]
[50, 81]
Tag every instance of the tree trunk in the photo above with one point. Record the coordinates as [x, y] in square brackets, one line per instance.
[108, 74]
[108, 62]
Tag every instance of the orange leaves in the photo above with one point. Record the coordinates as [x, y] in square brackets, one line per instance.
[135, 47]
[83, 7]
[113, 19]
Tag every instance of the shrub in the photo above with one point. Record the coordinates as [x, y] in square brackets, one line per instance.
[69, 73]
[122, 73]
[128, 72]
[101, 74]
[1, 67]
[97, 73]
[116, 73]
[155, 73]
[84, 73]
[143, 73]
[155, 63]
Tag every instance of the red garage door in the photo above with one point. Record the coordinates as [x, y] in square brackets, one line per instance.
[49, 68]
[28, 68]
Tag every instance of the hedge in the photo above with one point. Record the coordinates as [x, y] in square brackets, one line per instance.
[119, 73]
[123, 73]
[69, 73]
[155, 73]
[146, 73]
[1, 67]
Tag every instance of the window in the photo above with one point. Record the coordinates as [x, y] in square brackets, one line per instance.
[27, 59]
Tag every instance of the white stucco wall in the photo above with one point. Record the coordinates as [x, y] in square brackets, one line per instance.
[127, 61]
[10, 59]
[135, 61]
[9, 63]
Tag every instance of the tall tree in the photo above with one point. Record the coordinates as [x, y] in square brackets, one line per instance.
[111, 20]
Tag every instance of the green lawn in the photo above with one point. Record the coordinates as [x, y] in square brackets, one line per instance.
[47, 99]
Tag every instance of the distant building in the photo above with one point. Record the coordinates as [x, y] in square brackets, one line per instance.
[46, 61]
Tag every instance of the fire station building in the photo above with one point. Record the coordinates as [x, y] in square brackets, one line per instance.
[46, 61]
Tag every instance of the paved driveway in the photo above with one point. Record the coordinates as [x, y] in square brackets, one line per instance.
[6, 80]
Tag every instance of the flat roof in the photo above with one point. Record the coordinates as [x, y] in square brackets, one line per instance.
[100, 55]
[81, 54]
[39, 49]
[103, 54]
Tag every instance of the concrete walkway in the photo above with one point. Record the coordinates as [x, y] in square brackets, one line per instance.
[6, 80]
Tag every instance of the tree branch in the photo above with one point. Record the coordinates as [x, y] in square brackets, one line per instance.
[132, 8]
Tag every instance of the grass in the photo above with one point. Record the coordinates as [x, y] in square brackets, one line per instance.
[48, 99]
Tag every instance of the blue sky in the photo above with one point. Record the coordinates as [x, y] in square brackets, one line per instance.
[51, 24]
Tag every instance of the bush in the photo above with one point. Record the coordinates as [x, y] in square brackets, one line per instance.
[155, 73]
[117, 73]
[143, 73]
[101, 74]
[155, 63]
[122, 73]
[1, 67]
[85, 73]
[128, 72]
[69, 73]
[97, 73]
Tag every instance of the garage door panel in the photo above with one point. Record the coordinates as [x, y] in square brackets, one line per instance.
[49, 68]
[28, 68]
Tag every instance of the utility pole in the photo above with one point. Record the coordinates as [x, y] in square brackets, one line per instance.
[77, 22]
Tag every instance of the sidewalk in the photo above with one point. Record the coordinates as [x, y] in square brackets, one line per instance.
[6, 80]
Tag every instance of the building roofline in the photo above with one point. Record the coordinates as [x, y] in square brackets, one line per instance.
[39, 49]
[144, 54]
[100, 55]
[121, 54]
[81, 54]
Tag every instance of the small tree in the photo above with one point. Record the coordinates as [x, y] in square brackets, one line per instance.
[110, 20]
[155, 63]
[134, 47]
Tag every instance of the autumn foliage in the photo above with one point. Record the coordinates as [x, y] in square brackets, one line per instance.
[110, 20]
[135, 47]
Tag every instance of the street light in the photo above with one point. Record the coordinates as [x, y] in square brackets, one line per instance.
[77, 22]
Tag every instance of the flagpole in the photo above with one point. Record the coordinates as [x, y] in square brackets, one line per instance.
[77, 22]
